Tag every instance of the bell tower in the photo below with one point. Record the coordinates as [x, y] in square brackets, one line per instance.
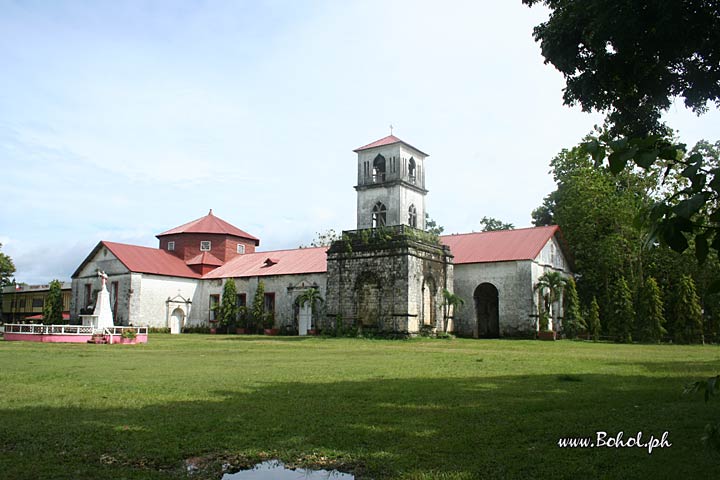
[389, 275]
[391, 184]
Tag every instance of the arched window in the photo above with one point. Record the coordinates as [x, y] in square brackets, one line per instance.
[412, 216]
[379, 215]
[378, 169]
[411, 170]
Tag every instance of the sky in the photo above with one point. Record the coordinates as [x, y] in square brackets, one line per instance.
[120, 120]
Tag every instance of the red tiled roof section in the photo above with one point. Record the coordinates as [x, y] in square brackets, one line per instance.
[209, 224]
[150, 260]
[287, 262]
[499, 246]
[389, 140]
[205, 258]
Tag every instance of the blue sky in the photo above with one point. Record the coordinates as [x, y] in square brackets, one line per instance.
[119, 120]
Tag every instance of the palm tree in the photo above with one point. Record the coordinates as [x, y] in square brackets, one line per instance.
[451, 302]
[549, 287]
[311, 296]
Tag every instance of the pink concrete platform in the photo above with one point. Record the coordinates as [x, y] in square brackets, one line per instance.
[71, 334]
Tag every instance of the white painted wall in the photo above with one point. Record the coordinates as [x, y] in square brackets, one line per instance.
[286, 288]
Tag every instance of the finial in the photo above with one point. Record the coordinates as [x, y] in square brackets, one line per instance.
[391, 129]
[210, 212]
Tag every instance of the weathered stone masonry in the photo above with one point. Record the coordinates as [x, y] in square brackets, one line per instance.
[389, 278]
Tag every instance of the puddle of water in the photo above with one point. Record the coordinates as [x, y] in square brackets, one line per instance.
[274, 470]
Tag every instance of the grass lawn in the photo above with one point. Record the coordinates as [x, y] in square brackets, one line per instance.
[386, 409]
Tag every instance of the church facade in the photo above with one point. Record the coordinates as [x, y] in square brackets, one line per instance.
[388, 274]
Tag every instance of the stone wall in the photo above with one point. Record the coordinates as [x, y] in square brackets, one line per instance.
[390, 282]
[517, 302]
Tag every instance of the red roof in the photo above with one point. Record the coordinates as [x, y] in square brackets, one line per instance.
[499, 246]
[210, 224]
[147, 260]
[282, 262]
[389, 140]
[65, 316]
[205, 258]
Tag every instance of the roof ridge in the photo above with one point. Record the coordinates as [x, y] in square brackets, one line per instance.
[497, 231]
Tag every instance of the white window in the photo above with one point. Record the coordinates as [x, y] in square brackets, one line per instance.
[205, 246]
[240, 248]
[171, 246]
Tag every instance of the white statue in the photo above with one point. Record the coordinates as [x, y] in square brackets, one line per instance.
[103, 310]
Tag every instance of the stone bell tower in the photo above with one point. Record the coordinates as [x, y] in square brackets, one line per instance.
[391, 184]
[389, 275]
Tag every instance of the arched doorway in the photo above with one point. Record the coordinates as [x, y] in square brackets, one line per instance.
[177, 319]
[428, 305]
[487, 311]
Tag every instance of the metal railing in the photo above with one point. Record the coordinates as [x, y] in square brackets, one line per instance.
[48, 329]
[67, 329]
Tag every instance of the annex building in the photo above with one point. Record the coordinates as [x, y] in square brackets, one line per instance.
[387, 274]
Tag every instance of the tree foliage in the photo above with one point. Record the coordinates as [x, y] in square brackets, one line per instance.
[7, 270]
[630, 59]
[595, 210]
[650, 325]
[490, 224]
[257, 313]
[687, 313]
[594, 320]
[622, 318]
[431, 226]
[573, 321]
[550, 288]
[228, 304]
[324, 239]
[310, 296]
[53, 308]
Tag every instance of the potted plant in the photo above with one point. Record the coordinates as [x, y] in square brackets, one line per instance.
[544, 332]
[128, 335]
[243, 325]
[268, 324]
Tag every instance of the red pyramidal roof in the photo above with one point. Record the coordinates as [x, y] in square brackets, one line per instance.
[389, 140]
[210, 224]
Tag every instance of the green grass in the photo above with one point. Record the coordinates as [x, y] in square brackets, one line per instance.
[417, 409]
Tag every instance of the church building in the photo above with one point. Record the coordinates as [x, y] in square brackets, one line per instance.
[388, 274]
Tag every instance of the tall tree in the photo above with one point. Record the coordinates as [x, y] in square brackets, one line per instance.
[594, 320]
[7, 269]
[631, 60]
[573, 322]
[53, 308]
[490, 224]
[595, 210]
[687, 313]
[650, 325]
[620, 323]
[257, 313]
[228, 304]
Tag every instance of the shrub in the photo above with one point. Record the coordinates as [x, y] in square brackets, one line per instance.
[129, 333]
[687, 312]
